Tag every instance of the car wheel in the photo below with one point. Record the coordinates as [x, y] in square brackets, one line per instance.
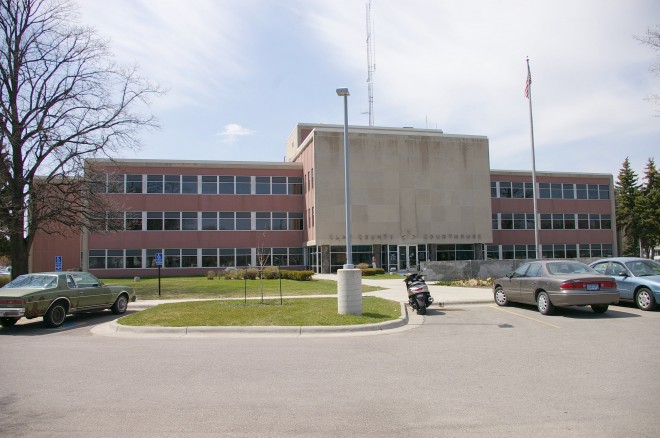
[120, 305]
[8, 322]
[544, 304]
[644, 299]
[500, 297]
[599, 308]
[55, 315]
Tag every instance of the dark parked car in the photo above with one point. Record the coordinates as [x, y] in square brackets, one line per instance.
[638, 279]
[53, 295]
[550, 283]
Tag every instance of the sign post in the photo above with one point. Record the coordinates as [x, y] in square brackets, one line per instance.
[58, 263]
[159, 263]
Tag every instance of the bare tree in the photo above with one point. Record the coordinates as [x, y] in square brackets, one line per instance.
[62, 100]
[652, 39]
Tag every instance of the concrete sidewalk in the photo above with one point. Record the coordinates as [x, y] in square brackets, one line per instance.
[393, 289]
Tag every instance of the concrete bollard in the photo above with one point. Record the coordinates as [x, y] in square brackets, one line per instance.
[349, 291]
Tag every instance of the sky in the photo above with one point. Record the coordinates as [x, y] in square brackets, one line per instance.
[241, 74]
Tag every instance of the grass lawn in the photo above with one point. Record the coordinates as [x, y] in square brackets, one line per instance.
[293, 312]
[201, 287]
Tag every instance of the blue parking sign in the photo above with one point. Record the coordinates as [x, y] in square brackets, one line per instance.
[159, 259]
[58, 263]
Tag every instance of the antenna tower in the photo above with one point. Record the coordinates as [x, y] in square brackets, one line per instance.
[371, 49]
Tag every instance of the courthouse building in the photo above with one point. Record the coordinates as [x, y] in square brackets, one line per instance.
[417, 195]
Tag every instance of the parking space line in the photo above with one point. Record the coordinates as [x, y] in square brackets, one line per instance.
[523, 316]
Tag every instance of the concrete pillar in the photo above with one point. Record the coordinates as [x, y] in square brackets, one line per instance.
[349, 291]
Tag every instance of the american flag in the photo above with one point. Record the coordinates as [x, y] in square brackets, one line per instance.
[528, 84]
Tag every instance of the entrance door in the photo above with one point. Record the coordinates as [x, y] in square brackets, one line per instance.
[407, 257]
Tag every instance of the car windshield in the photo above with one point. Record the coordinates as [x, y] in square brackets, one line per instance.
[644, 268]
[560, 268]
[33, 281]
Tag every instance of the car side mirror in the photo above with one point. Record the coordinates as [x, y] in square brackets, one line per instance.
[510, 274]
[622, 274]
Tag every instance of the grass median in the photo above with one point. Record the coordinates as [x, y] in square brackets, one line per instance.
[202, 288]
[292, 312]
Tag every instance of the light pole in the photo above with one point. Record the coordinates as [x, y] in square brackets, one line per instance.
[347, 196]
[349, 279]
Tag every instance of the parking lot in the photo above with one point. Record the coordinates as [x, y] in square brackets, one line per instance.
[470, 370]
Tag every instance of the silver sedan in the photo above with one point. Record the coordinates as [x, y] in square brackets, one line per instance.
[550, 283]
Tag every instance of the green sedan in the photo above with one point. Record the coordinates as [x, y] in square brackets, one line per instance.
[53, 295]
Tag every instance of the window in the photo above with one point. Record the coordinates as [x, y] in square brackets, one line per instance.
[133, 258]
[133, 183]
[492, 252]
[280, 257]
[295, 185]
[508, 252]
[546, 221]
[210, 185]
[115, 259]
[263, 185]
[279, 185]
[188, 258]
[227, 257]
[518, 190]
[493, 189]
[154, 183]
[603, 191]
[243, 185]
[506, 221]
[505, 189]
[519, 221]
[296, 257]
[151, 257]
[279, 221]
[494, 223]
[172, 221]
[534, 270]
[189, 184]
[581, 191]
[115, 183]
[295, 221]
[227, 221]
[263, 221]
[155, 220]
[172, 184]
[226, 185]
[464, 252]
[96, 259]
[189, 221]
[210, 220]
[568, 191]
[209, 257]
[243, 220]
[243, 256]
[555, 191]
[569, 221]
[172, 258]
[544, 190]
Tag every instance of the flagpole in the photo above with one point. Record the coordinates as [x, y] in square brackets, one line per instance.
[528, 95]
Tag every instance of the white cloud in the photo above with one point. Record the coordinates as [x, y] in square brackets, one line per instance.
[233, 131]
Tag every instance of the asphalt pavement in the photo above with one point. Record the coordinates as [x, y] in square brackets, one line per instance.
[392, 289]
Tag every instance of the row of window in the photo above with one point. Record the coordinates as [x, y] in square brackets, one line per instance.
[555, 221]
[505, 189]
[549, 251]
[194, 257]
[204, 220]
[204, 184]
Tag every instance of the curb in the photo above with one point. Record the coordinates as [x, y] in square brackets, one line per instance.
[114, 328]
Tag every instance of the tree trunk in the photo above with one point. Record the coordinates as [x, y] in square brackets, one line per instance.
[19, 252]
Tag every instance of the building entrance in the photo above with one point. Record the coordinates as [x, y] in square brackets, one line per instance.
[407, 257]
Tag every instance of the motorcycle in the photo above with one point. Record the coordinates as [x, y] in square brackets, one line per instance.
[419, 296]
